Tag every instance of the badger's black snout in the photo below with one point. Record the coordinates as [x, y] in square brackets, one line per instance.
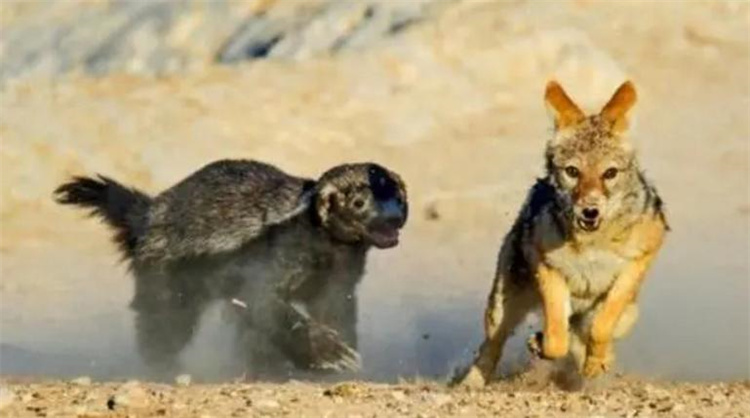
[393, 212]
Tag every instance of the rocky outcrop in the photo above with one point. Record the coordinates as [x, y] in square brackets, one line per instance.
[163, 37]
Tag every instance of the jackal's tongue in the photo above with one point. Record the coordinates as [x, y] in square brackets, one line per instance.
[587, 225]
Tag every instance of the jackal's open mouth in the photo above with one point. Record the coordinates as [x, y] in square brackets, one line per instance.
[587, 224]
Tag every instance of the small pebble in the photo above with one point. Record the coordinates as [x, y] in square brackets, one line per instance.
[266, 404]
[398, 395]
[440, 399]
[81, 381]
[131, 394]
[183, 380]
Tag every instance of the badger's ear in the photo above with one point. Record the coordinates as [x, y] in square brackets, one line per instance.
[563, 110]
[327, 198]
[616, 109]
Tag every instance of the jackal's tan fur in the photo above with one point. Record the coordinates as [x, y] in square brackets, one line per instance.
[581, 245]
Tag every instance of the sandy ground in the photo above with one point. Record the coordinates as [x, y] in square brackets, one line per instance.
[455, 106]
[355, 399]
[621, 398]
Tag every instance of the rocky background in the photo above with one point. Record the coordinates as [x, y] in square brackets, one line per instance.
[448, 93]
[157, 38]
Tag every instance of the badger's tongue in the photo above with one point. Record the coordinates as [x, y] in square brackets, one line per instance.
[384, 237]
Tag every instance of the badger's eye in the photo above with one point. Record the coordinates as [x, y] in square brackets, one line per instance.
[610, 173]
[358, 203]
[572, 172]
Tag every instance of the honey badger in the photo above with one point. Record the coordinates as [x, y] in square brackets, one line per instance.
[289, 250]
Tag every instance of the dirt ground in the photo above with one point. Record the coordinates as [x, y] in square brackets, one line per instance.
[454, 104]
[618, 398]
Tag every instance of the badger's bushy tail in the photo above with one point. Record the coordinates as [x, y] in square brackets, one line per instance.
[122, 208]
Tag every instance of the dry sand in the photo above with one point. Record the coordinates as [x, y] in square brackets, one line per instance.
[454, 105]
[356, 399]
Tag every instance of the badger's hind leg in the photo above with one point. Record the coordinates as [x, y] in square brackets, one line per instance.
[166, 317]
[260, 359]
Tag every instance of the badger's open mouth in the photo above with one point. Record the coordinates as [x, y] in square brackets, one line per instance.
[383, 235]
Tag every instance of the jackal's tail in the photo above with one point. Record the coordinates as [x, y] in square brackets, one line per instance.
[123, 209]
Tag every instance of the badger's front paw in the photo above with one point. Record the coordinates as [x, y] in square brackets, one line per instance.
[329, 352]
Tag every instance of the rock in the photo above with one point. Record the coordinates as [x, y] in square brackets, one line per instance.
[326, 32]
[154, 38]
[398, 395]
[666, 404]
[431, 212]
[440, 399]
[183, 380]
[266, 404]
[7, 397]
[130, 395]
[81, 381]
[254, 39]
[240, 412]
[345, 389]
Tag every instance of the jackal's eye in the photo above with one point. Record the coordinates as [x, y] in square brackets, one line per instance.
[572, 172]
[610, 173]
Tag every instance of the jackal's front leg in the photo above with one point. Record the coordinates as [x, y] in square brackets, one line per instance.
[600, 350]
[556, 303]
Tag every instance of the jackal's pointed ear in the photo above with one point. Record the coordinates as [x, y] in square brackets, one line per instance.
[563, 110]
[616, 109]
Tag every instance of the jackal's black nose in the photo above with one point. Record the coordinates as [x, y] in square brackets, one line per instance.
[590, 214]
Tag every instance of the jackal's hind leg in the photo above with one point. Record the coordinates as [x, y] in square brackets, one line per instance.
[501, 319]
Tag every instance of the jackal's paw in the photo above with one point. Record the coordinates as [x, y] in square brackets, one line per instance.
[471, 378]
[595, 366]
[542, 347]
[535, 344]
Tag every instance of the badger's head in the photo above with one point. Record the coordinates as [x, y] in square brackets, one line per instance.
[362, 203]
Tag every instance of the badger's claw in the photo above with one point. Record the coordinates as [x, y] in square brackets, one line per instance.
[329, 352]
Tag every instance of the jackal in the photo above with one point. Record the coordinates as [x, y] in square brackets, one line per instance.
[581, 245]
